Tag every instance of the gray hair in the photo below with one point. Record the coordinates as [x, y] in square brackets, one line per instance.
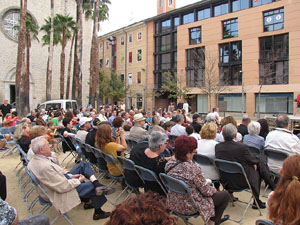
[254, 127]
[37, 143]
[156, 139]
[282, 121]
[229, 131]
[178, 118]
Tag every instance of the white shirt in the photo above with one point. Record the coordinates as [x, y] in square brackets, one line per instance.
[102, 117]
[186, 107]
[283, 140]
[178, 130]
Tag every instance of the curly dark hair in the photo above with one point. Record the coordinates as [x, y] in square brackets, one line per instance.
[183, 146]
[147, 208]
[118, 122]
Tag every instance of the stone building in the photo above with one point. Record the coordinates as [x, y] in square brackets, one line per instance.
[39, 10]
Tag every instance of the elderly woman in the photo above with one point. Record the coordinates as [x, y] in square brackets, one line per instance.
[253, 139]
[21, 136]
[264, 128]
[209, 203]
[206, 146]
[152, 159]
[107, 144]
[226, 120]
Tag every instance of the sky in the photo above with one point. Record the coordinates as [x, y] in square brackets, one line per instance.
[125, 12]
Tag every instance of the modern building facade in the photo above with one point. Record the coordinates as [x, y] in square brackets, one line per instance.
[39, 10]
[223, 48]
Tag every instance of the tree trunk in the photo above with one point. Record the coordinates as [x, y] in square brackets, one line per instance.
[50, 57]
[77, 72]
[21, 70]
[69, 68]
[94, 59]
[62, 65]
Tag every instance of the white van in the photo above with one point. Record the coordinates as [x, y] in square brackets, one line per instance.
[58, 104]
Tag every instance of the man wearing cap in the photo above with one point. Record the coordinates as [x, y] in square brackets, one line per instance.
[137, 132]
[196, 123]
[84, 125]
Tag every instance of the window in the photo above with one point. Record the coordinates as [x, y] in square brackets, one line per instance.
[107, 62]
[174, 59]
[122, 59]
[129, 78]
[261, 2]
[122, 40]
[139, 101]
[160, 3]
[139, 55]
[175, 40]
[231, 63]
[130, 38]
[195, 35]
[230, 102]
[130, 57]
[165, 42]
[166, 61]
[170, 2]
[274, 20]
[101, 63]
[274, 59]
[157, 62]
[230, 28]
[10, 19]
[237, 5]
[196, 67]
[101, 47]
[107, 44]
[221, 9]
[189, 18]
[203, 14]
[166, 25]
[122, 77]
[139, 77]
[176, 21]
[275, 103]
[139, 35]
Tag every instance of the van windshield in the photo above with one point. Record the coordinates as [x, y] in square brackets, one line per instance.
[53, 106]
[74, 106]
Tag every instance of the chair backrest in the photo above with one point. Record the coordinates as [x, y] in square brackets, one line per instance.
[4, 130]
[23, 154]
[149, 175]
[172, 139]
[174, 184]
[126, 163]
[263, 222]
[275, 154]
[254, 150]
[12, 129]
[110, 159]
[207, 165]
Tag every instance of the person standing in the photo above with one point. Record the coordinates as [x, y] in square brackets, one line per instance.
[5, 108]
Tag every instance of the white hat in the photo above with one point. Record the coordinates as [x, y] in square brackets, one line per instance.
[138, 117]
[84, 120]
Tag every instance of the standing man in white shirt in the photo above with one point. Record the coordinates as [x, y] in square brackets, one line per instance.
[178, 129]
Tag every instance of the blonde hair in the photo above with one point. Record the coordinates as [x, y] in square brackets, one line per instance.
[37, 131]
[20, 130]
[209, 131]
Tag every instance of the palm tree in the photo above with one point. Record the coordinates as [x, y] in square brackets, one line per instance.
[21, 106]
[50, 56]
[69, 67]
[64, 25]
[99, 12]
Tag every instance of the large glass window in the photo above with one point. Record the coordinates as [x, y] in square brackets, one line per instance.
[165, 42]
[139, 101]
[166, 25]
[274, 20]
[195, 35]
[274, 59]
[231, 63]
[202, 103]
[275, 103]
[203, 14]
[230, 102]
[176, 21]
[189, 18]
[196, 67]
[221, 9]
[230, 28]
[166, 61]
[237, 5]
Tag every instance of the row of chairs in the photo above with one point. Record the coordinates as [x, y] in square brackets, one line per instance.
[10, 144]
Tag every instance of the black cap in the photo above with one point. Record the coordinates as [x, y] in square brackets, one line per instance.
[196, 116]
[96, 122]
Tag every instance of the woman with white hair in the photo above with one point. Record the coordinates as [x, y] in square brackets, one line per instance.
[253, 139]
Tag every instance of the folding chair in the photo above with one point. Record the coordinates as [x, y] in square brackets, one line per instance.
[278, 156]
[254, 151]
[172, 139]
[263, 222]
[234, 168]
[180, 187]
[207, 166]
[148, 175]
[12, 142]
[46, 203]
[72, 153]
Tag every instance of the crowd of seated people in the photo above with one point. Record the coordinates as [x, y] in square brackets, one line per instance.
[112, 129]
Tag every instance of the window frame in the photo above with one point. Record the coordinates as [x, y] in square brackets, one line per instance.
[195, 76]
[196, 40]
[230, 23]
[141, 55]
[139, 81]
[130, 38]
[281, 11]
